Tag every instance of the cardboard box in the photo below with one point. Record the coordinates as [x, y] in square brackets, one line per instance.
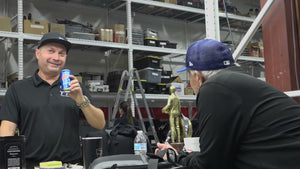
[176, 79]
[5, 23]
[36, 27]
[106, 35]
[169, 1]
[188, 91]
[179, 88]
[119, 33]
[55, 27]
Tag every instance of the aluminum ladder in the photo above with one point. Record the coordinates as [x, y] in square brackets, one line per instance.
[133, 73]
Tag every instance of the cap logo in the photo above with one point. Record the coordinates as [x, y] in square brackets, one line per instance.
[226, 62]
[61, 38]
[191, 64]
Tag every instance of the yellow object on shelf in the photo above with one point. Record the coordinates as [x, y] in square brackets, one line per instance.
[51, 164]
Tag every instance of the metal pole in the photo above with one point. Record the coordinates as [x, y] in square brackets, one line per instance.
[212, 19]
[20, 39]
[252, 30]
[130, 50]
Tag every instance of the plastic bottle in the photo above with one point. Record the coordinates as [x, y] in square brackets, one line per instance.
[140, 143]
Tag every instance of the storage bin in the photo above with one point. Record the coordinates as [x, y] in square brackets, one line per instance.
[136, 85]
[162, 43]
[147, 61]
[150, 34]
[150, 88]
[150, 74]
[162, 88]
[149, 42]
[190, 3]
[171, 45]
[166, 76]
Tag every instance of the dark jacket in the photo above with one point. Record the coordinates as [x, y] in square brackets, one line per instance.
[245, 123]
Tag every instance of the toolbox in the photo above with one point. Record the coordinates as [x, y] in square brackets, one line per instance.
[147, 61]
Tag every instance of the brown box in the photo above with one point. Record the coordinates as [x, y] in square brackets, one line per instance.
[79, 78]
[36, 27]
[169, 1]
[5, 23]
[188, 91]
[106, 35]
[119, 33]
[55, 27]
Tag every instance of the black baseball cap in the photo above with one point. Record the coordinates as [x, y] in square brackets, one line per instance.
[56, 38]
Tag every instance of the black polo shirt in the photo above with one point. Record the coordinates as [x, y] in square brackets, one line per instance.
[48, 119]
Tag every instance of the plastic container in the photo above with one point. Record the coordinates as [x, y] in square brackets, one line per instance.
[147, 61]
[162, 43]
[151, 75]
[140, 143]
[149, 42]
[150, 34]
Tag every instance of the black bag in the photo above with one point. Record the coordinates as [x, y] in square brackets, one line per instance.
[117, 140]
[121, 139]
[131, 161]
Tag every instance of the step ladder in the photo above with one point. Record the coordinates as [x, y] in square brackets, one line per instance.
[129, 76]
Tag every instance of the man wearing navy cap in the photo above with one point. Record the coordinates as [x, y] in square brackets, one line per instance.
[244, 123]
[48, 117]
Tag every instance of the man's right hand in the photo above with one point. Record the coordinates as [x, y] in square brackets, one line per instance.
[7, 128]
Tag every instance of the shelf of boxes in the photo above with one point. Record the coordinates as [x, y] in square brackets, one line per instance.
[183, 11]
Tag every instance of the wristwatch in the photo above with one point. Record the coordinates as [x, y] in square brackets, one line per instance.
[85, 103]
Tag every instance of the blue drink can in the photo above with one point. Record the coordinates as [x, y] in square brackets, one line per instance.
[65, 80]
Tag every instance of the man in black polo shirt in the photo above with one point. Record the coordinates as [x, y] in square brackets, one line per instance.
[48, 117]
[244, 123]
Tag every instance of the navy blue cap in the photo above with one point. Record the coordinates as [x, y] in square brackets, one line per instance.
[207, 54]
[56, 38]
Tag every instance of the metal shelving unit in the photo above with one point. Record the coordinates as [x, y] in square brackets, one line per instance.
[162, 9]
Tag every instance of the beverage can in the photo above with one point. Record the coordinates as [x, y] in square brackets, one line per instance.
[65, 80]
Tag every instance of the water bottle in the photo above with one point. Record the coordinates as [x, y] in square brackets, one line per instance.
[140, 143]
